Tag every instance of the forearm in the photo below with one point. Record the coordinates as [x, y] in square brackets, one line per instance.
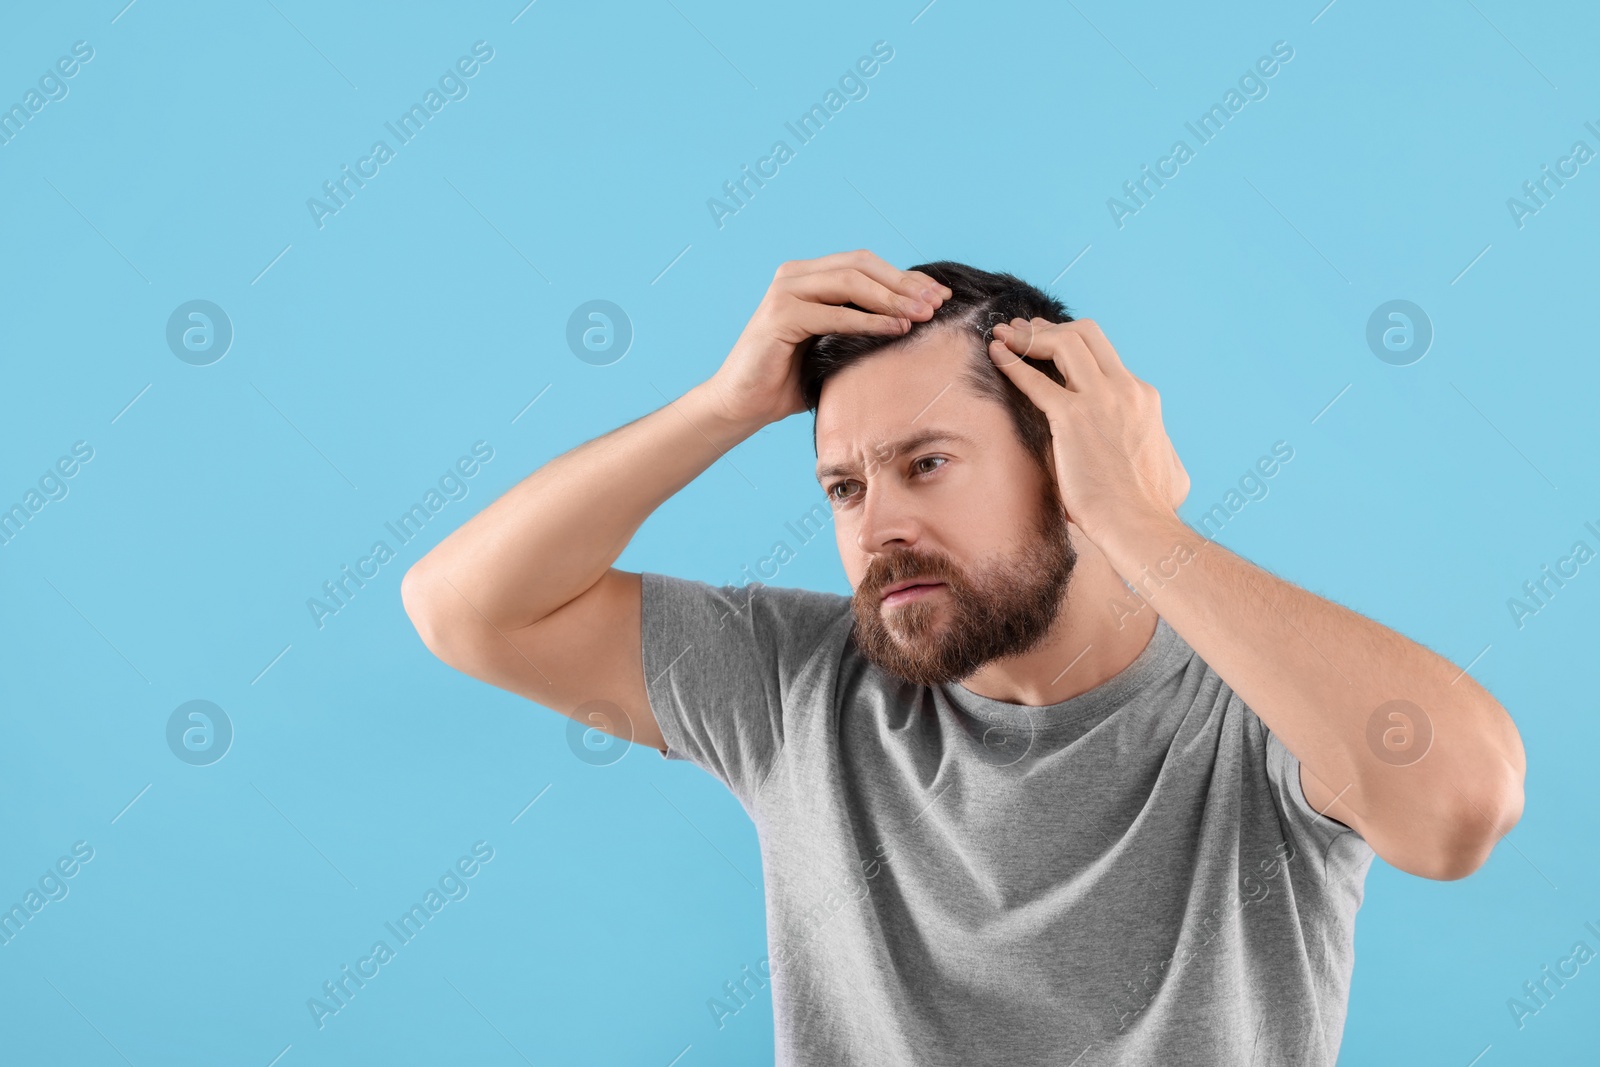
[1316, 673]
[553, 535]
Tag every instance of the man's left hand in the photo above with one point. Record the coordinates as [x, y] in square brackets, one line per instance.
[1113, 459]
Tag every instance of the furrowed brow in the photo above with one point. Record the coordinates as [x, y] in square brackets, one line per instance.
[905, 444]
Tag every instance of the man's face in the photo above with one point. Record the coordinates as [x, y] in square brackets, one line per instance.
[937, 488]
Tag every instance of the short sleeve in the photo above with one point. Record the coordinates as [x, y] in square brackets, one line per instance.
[719, 666]
[1328, 838]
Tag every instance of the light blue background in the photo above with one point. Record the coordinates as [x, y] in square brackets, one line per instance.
[432, 309]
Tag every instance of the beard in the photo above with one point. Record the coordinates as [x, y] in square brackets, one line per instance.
[1003, 609]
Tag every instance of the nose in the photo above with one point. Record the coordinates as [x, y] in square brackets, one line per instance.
[888, 517]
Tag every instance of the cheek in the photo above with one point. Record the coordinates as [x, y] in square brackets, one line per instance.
[988, 514]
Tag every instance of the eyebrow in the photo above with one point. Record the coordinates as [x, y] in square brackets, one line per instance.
[905, 444]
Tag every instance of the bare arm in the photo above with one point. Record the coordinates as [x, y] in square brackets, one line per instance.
[554, 534]
[1358, 704]
[524, 595]
[1319, 675]
[492, 599]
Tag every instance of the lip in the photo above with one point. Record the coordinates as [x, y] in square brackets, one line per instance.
[900, 592]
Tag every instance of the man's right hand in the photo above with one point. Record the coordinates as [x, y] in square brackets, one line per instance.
[760, 379]
[525, 595]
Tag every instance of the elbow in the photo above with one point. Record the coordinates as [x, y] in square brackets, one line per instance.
[419, 595]
[414, 600]
[410, 590]
[1485, 819]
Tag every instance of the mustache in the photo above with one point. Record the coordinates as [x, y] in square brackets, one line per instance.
[905, 566]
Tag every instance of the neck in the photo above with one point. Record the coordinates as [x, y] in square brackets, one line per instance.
[1096, 635]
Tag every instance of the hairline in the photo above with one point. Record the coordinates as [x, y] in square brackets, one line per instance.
[979, 387]
[971, 371]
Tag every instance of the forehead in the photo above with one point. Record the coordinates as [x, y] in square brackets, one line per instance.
[901, 392]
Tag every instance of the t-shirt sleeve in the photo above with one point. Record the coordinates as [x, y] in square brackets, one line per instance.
[719, 663]
[1325, 837]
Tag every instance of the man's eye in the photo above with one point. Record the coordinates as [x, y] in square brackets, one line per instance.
[841, 498]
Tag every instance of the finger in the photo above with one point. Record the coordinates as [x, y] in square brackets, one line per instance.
[1105, 356]
[911, 283]
[1072, 351]
[818, 319]
[847, 285]
[1035, 384]
[1039, 340]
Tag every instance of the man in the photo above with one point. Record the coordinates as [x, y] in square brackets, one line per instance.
[1062, 781]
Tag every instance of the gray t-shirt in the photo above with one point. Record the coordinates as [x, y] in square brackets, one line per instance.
[1132, 876]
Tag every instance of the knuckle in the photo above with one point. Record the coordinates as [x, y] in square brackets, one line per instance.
[780, 308]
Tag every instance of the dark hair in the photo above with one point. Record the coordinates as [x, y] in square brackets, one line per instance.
[980, 299]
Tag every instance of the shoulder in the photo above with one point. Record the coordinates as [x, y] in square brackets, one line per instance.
[769, 615]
